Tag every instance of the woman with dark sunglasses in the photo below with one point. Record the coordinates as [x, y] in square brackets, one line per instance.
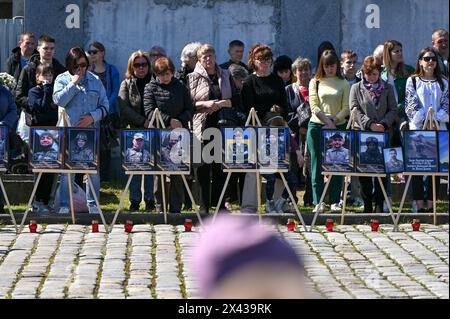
[424, 89]
[109, 75]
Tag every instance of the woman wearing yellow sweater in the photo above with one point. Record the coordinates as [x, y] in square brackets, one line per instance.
[329, 101]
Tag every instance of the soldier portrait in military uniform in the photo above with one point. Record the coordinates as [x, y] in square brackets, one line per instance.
[421, 152]
[393, 160]
[82, 146]
[174, 149]
[273, 147]
[46, 145]
[137, 153]
[337, 153]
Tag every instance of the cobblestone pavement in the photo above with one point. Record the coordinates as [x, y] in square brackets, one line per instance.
[68, 261]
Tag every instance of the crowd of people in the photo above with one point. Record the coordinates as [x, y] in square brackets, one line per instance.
[386, 94]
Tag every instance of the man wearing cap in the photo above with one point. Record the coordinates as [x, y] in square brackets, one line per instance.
[81, 152]
[337, 154]
[372, 155]
[137, 153]
[47, 152]
[393, 165]
[238, 150]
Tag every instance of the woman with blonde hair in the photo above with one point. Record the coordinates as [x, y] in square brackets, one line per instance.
[131, 106]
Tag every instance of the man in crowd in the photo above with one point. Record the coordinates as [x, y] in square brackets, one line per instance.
[439, 41]
[236, 52]
[20, 56]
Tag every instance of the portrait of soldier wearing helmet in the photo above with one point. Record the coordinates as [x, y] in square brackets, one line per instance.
[81, 150]
[372, 153]
[45, 146]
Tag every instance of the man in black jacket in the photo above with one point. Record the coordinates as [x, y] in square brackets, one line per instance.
[27, 79]
[20, 56]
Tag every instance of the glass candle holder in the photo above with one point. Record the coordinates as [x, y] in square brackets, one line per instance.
[329, 224]
[416, 224]
[188, 225]
[374, 224]
[290, 224]
[33, 226]
[95, 226]
[128, 226]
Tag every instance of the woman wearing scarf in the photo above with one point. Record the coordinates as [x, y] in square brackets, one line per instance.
[375, 105]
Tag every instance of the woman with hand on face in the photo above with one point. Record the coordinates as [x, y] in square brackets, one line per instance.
[328, 99]
[109, 76]
[173, 100]
[131, 106]
[376, 108]
[82, 96]
[424, 89]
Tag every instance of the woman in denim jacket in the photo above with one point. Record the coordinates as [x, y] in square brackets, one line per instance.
[82, 95]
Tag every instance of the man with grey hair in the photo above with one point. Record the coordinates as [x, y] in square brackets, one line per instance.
[378, 54]
[439, 41]
[155, 53]
[188, 61]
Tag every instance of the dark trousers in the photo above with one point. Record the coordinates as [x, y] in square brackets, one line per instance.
[235, 185]
[44, 188]
[211, 176]
[369, 196]
[105, 164]
[423, 190]
[270, 185]
[175, 193]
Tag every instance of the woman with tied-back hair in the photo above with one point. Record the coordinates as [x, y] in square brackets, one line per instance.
[329, 99]
[426, 88]
[131, 106]
[188, 61]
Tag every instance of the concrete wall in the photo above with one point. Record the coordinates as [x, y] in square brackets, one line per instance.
[293, 27]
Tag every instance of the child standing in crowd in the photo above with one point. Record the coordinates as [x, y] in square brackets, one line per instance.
[44, 113]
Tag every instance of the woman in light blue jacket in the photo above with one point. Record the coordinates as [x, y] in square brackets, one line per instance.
[83, 97]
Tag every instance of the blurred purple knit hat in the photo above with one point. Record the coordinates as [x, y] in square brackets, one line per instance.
[233, 242]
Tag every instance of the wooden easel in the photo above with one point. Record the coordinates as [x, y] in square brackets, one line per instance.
[5, 196]
[347, 178]
[253, 118]
[427, 125]
[159, 124]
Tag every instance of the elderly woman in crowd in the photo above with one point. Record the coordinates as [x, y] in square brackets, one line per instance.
[424, 89]
[82, 96]
[188, 61]
[131, 106]
[173, 100]
[109, 75]
[328, 98]
[375, 107]
[211, 90]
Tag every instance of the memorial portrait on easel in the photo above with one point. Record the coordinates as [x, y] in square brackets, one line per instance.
[273, 147]
[337, 151]
[393, 160]
[137, 150]
[174, 150]
[421, 153]
[239, 148]
[46, 147]
[81, 148]
[3, 147]
[443, 151]
[369, 157]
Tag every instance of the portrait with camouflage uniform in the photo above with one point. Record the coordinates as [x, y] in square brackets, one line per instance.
[370, 151]
[136, 149]
[46, 147]
[337, 153]
[174, 149]
[81, 148]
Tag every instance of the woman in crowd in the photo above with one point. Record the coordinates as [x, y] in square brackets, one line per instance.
[263, 89]
[299, 114]
[173, 100]
[328, 98]
[396, 72]
[44, 113]
[424, 89]
[82, 96]
[109, 76]
[211, 90]
[131, 106]
[282, 68]
[188, 61]
[375, 106]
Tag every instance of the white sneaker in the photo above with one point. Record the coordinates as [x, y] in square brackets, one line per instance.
[336, 207]
[40, 208]
[93, 210]
[385, 207]
[414, 206]
[63, 210]
[320, 208]
[358, 202]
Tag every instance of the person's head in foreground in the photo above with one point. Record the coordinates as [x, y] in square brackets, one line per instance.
[236, 258]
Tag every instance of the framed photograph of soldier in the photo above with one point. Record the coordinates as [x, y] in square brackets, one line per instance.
[393, 160]
[273, 147]
[173, 150]
[421, 151]
[82, 145]
[443, 151]
[239, 148]
[369, 155]
[3, 148]
[337, 153]
[138, 149]
[46, 147]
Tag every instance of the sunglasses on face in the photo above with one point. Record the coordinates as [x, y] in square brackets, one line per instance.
[267, 60]
[92, 52]
[80, 66]
[429, 58]
[140, 65]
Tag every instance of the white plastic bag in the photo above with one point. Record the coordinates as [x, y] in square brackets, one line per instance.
[79, 199]
[23, 130]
